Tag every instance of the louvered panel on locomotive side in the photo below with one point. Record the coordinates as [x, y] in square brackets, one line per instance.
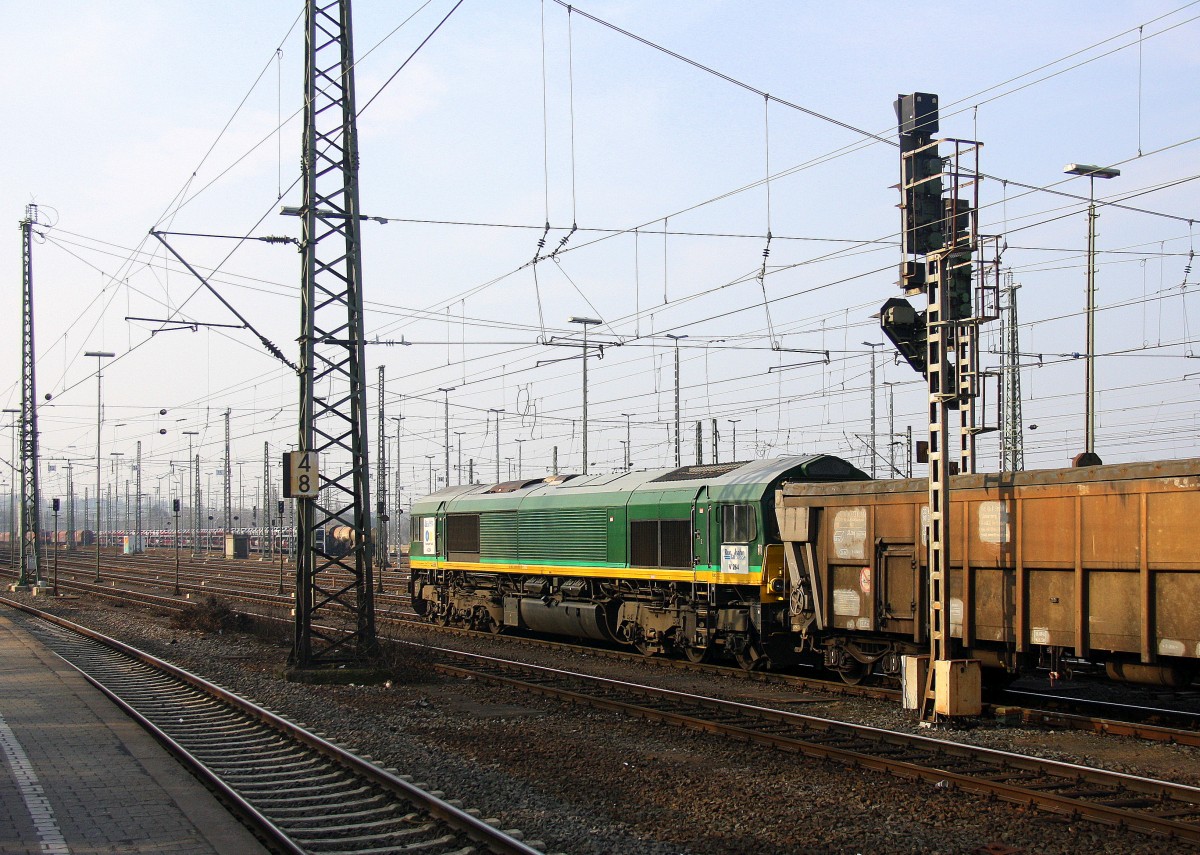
[498, 536]
[563, 535]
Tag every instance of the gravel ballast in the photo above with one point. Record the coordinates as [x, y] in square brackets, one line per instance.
[584, 781]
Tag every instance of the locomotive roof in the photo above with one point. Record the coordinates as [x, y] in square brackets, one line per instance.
[745, 481]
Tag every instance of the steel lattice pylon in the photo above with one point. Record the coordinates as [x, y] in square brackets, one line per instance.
[1012, 448]
[30, 530]
[335, 617]
[381, 544]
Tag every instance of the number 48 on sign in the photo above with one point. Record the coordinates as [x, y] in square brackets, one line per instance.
[300, 475]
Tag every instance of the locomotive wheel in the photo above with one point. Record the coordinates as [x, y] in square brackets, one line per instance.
[750, 657]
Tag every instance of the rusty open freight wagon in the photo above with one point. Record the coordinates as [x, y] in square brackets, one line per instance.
[1097, 563]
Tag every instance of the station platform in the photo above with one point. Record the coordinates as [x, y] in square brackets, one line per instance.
[78, 776]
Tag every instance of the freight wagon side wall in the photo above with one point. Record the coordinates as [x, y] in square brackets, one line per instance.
[1097, 559]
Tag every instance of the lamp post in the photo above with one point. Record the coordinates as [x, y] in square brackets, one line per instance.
[585, 323]
[520, 460]
[678, 446]
[497, 412]
[99, 354]
[1089, 457]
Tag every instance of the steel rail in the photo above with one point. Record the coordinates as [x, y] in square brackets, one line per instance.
[1128, 801]
[276, 825]
[1031, 715]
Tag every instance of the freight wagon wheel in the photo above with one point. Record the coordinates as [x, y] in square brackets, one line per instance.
[853, 673]
[695, 655]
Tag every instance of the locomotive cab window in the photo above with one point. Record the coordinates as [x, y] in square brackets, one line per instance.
[738, 524]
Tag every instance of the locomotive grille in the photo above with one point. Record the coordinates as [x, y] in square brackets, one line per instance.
[498, 536]
[660, 543]
[578, 534]
[462, 537]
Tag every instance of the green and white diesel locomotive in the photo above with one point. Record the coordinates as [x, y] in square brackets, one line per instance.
[684, 560]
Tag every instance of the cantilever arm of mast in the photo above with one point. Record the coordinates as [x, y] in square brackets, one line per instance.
[174, 324]
[266, 342]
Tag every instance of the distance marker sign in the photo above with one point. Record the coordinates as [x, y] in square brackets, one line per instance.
[300, 475]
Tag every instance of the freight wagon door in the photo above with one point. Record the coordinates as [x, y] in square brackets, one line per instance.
[897, 589]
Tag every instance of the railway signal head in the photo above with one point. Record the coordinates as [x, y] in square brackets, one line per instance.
[921, 173]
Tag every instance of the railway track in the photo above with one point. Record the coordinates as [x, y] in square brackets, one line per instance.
[251, 582]
[1143, 804]
[300, 792]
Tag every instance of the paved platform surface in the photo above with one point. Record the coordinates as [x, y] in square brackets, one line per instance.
[78, 776]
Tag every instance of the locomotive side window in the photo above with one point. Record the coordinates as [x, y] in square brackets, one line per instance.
[660, 543]
[738, 524]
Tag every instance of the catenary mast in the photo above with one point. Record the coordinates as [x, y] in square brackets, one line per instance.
[30, 530]
[335, 617]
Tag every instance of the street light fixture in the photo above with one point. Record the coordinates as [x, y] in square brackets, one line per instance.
[585, 322]
[99, 354]
[1089, 456]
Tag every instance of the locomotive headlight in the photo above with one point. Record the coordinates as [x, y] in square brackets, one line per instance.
[777, 586]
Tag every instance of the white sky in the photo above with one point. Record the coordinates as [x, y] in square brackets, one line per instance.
[117, 111]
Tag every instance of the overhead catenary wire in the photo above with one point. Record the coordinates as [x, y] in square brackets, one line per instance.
[637, 312]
